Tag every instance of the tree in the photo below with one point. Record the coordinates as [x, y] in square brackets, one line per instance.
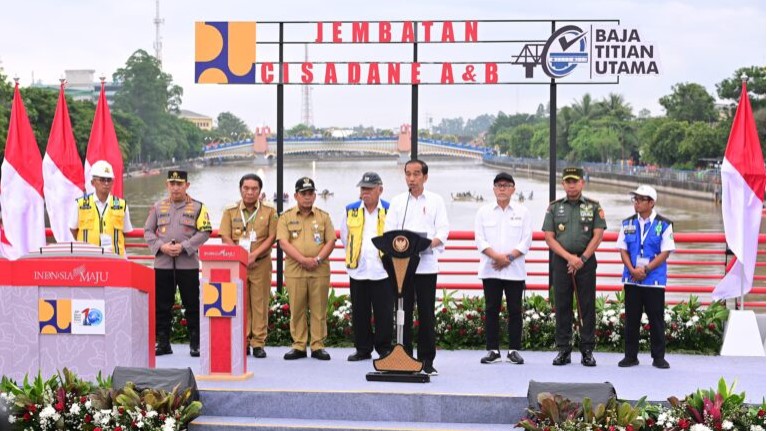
[594, 144]
[150, 95]
[230, 125]
[701, 140]
[6, 99]
[729, 89]
[584, 108]
[689, 102]
[614, 106]
[300, 130]
[450, 126]
[662, 147]
[476, 126]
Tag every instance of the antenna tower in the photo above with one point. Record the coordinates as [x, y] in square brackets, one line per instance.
[157, 38]
[307, 115]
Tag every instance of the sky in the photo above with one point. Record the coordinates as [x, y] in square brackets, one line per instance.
[701, 41]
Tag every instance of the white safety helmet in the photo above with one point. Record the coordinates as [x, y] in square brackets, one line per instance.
[102, 169]
[647, 191]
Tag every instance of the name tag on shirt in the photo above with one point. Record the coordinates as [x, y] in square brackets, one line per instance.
[106, 241]
[245, 241]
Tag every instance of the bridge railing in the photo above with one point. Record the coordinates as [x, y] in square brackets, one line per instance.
[694, 268]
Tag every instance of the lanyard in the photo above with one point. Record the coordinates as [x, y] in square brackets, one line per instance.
[643, 234]
[249, 219]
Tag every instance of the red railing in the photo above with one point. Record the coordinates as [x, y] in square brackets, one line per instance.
[694, 268]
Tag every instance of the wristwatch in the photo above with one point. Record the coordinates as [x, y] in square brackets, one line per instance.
[584, 259]
[319, 260]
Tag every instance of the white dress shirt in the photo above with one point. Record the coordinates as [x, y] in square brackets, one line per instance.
[503, 230]
[425, 214]
[369, 266]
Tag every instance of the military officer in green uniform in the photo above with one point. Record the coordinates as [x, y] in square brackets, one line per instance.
[174, 230]
[573, 228]
[252, 224]
[307, 237]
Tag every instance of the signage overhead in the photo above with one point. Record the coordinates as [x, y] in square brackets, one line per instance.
[480, 52]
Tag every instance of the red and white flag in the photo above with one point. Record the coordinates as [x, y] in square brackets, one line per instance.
[21, 187]
[743, 188]
[103, 145]
[62, 173]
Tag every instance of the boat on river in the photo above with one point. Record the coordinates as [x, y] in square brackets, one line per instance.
[466, 197]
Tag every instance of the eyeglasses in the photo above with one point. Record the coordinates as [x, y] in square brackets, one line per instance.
[502, 186]
[636, 199]
[104, 180]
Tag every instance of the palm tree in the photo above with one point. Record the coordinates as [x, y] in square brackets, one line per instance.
[583, 109]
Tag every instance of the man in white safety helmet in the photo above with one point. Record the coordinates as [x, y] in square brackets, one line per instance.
[102, 219]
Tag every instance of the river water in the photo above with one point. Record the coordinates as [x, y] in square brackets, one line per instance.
[216, 186]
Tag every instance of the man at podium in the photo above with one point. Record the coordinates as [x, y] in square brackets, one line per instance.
[423, 212]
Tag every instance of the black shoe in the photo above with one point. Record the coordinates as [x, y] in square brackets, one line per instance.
[359, 356]
[321, 354]
[247, 352]
[628, 362]
[294, 354]
[587, 359]
[163, 349]
[428, 368]
[194, 351]
[491, 358]
[515, 358]
[259, 352]
[563, 357]
[660, 363]
[384, 353]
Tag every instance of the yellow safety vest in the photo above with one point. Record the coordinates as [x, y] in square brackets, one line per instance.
[91, 224]
[355, 223]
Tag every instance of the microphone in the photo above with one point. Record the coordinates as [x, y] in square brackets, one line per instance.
[409, 190]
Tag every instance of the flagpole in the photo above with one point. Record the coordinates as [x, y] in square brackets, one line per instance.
[743, 79]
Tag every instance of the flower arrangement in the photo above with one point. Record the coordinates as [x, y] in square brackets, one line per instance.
[704, 410]
[707, 410]
[65, 402]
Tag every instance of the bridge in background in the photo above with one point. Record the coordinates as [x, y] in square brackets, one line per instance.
[262, 146]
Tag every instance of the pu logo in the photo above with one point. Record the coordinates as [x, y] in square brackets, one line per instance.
[55, 316]
[225, 52]
[219, 299]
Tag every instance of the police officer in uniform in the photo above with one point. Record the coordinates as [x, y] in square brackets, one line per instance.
[252, 224]
[573, 228]
[368, 281]
[645, 241]
[101, 219]
[174, 230]
[307, 237]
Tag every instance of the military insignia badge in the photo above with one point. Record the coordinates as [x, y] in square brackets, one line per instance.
[400, 243]
[561, 227]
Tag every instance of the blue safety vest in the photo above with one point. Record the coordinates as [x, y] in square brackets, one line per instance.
[648, 248]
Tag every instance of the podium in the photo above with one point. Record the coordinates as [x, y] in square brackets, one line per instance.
[401, 255]
[75, 306]
[223, 307]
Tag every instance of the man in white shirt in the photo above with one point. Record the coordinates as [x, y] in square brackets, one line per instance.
[423, 212]
[368, 280]
[503, 234]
